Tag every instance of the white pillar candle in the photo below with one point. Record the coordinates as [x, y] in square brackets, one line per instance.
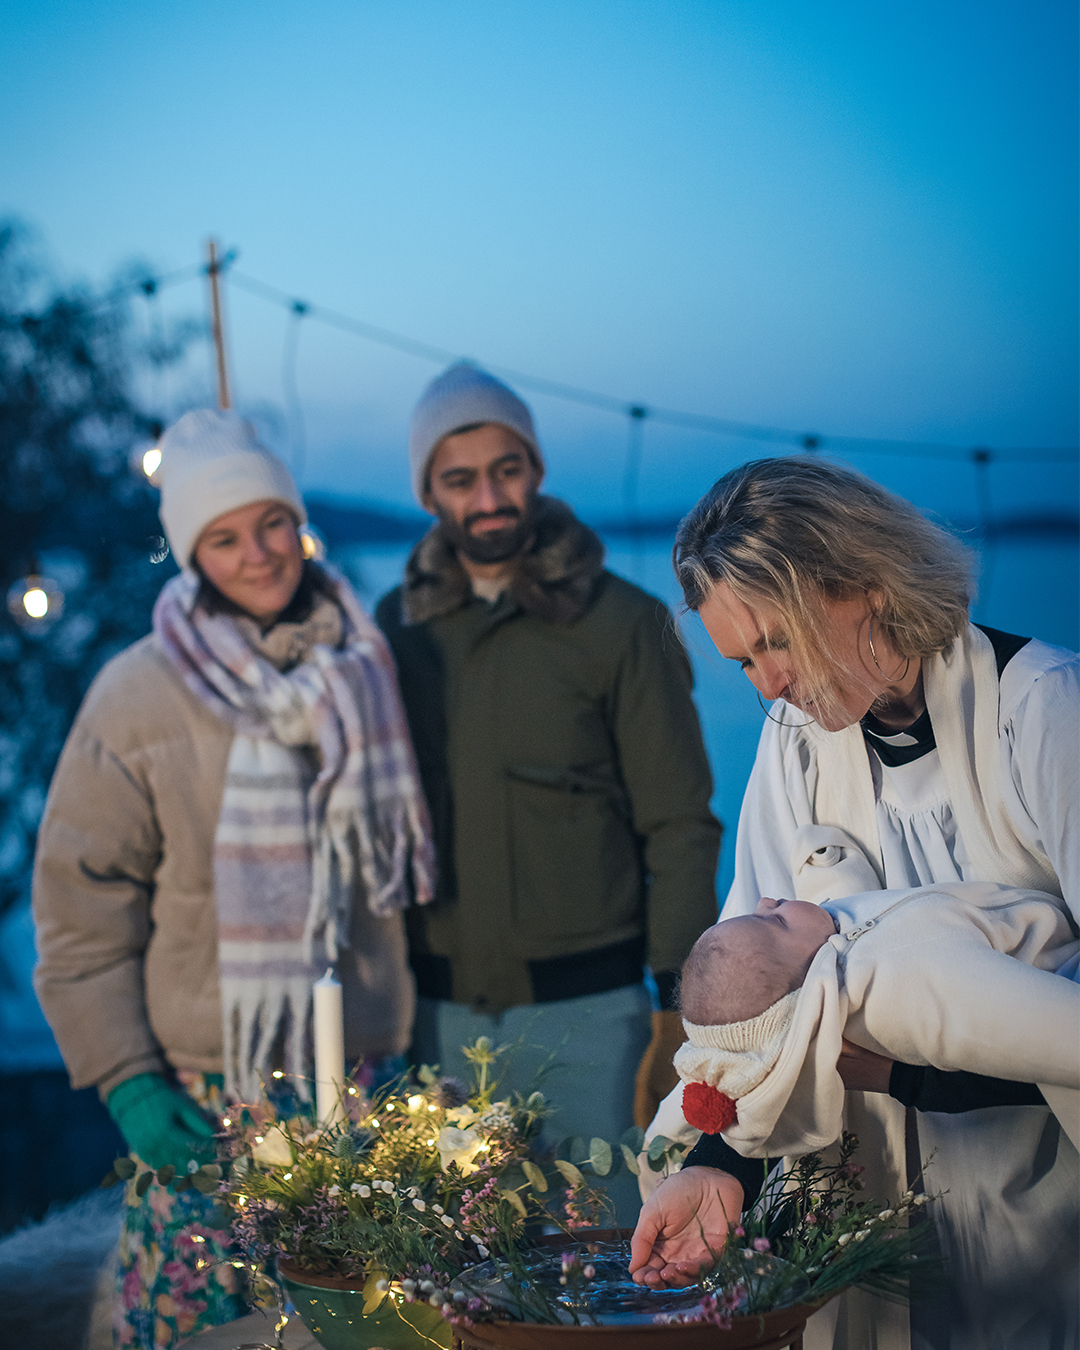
[329, 1050]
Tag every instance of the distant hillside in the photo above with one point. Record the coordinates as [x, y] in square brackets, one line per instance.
[344, 521]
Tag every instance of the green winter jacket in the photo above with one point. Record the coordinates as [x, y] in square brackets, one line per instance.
[563, 762]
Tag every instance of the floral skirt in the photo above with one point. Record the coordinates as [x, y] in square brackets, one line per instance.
[175, 1275]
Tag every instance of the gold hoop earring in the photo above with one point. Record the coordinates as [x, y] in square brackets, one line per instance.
[893, 679]
[792, 726]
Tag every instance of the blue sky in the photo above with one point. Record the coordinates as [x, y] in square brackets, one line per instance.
[830, 216]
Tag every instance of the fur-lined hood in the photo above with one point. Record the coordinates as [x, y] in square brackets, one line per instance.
[555, 577]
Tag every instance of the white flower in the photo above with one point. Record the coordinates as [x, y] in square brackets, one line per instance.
[333, 1190]
[358, 1188]
[382, 1286]
[862, 1233]
[413, 1192]
[462, 1115]
[498, 1113]
[447, 1221]
[921, 1200]
[437, 1209]
[273, 1148]
[458, 1146]
[426, 1286]
[460, 1236]
[843, 1238]
[419, 1204]
[482, 1251]
[886, 1213]
[409, 1286]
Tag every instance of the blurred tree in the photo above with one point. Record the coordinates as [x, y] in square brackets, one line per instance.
[73, 507]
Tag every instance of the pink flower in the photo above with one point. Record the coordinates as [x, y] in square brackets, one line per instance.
[761, 1244]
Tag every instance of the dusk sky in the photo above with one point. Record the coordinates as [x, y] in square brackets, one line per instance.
[831, 217]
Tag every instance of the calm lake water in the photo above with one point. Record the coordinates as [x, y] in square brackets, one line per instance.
[1029, 586]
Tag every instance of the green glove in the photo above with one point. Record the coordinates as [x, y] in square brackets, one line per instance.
[161, 1123]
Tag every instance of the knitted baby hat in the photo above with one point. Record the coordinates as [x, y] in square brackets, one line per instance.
[722, 1063]
[212, 463]
[460, 396]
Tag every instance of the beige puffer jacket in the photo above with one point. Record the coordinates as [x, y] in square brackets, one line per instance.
[124, 897]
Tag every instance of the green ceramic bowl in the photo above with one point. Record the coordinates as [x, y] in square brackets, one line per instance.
[334, 1314]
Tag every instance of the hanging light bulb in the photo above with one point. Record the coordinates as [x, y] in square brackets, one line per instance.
[312, 543]
[145, 454]
[35, 602]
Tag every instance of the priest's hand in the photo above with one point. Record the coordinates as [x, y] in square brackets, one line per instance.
[656, 1074]
[687, 1215]
[161, 1123]
[862, 1069]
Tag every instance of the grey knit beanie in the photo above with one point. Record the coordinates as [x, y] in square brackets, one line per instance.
[212, 463]
[462, 395]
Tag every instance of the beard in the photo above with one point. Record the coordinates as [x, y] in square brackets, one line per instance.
[492, 546]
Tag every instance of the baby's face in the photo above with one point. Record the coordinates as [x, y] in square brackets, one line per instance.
[790, 931]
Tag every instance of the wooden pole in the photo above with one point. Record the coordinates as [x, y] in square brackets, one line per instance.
[213, 271]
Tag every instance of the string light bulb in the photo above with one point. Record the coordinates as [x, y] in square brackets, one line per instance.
[151, 462]
[312, 543]
[35, 602]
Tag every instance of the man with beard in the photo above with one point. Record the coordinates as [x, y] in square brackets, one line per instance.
[550, 707]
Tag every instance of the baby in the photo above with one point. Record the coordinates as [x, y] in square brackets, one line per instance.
[960, 976]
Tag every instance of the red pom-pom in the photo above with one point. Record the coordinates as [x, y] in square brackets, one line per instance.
[707, 1109]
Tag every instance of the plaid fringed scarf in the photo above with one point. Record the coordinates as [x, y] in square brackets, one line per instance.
[295, 843]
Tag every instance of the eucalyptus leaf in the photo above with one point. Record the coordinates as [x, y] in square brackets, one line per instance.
[211, 1170]
[165, 1174]
[372, 1296]
[600, 1156]
[124, 1168]
[657, 1164]
[143, 1184]
[658, 1147]
[182, 1184]
[570, 1174]
[204, 1185]
[515, 1200]
[537, 1180]
[633, 1138]
[109, 1179]
[630, 1158]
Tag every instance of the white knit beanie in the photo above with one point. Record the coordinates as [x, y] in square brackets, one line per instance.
[735, 1057]
[460, 396]
[212, 463]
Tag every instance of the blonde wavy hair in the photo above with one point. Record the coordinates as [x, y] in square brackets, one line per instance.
[793, 532]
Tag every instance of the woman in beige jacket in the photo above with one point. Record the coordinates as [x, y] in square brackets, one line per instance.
[212, 842]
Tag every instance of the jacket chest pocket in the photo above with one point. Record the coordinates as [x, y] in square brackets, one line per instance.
[574, 856]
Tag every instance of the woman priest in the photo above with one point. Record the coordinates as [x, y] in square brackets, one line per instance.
[948, 751]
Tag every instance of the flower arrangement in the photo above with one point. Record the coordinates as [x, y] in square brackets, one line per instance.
[418, 1183]
[811, 1235]
[430, 1182]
